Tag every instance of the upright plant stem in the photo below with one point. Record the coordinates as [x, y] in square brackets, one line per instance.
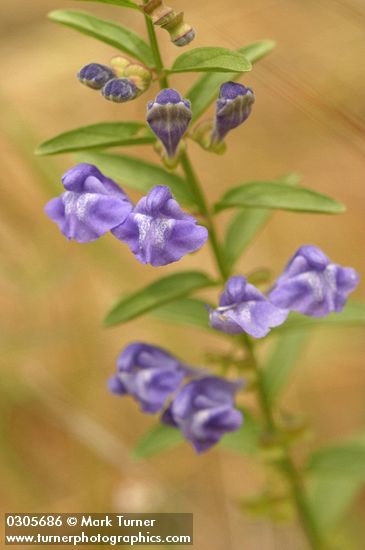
[155, 51]
[286, 465]
[200, 198]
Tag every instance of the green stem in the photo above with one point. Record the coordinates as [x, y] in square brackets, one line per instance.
[286, 465]
[202, 203]
[306, 517]
[156, 51]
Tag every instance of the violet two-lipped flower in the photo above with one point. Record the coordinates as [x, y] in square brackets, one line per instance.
[158, 232]
[311, 284]
[204, 411]
[149, 374]
[243, 308]
[91, 205]
[233, 107]
[169, 116]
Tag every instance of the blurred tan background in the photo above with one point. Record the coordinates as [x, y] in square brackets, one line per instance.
[65, 442]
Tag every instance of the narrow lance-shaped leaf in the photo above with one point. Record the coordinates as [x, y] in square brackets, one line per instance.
[245, 225]
[352, 315]
[282, 362]
[115, 35]
[330, 498]
[210, 60]
[206, 88]
[160, 438]
[138, 174]
[278, 196]
[185, 311]
[120, 3]
[156, 294]
[241, 231]
[97, 136]
[344, 460]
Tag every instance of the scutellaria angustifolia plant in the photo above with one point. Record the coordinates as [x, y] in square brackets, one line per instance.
[159, 230]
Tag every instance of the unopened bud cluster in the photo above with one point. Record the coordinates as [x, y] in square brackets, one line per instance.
[169, 116]
[123, 81]
[181, 33]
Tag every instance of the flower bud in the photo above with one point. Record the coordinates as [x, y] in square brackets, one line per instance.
[95, 75]
[180, 32]
[136, 73]
[233, 108]
[168, 117]
[120, 90]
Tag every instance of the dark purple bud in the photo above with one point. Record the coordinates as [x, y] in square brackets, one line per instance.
[232, 108]
[120, 90]
[311, 284]
[149, 374]
[91, 206]
[242, 308]
[95, 75]
[204, 411]
[168, 117]
[158, 232]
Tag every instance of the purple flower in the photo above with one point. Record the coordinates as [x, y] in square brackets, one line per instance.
[312, 284]
[232, 109]
[168, 117]
[204, 411]
[120, 90]
[242, 308]
[149, 374]
[91, 206]
[95, 75]
[158, 232]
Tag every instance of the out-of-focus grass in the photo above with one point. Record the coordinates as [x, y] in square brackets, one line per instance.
[64, 440]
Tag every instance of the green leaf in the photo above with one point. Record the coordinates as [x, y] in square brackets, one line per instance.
[206, 88]
[115, 35]
[186, 311]
[138, 174]
[209, 60]
[257, 50]
[245, 225]
[246, 439]
[344, 460]
[282, 362]
[158, 439]
[101, 135]
[121, 3]
[330, 499]
[278, 196]
[352, 315]
[156, 294]
[241, 231]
